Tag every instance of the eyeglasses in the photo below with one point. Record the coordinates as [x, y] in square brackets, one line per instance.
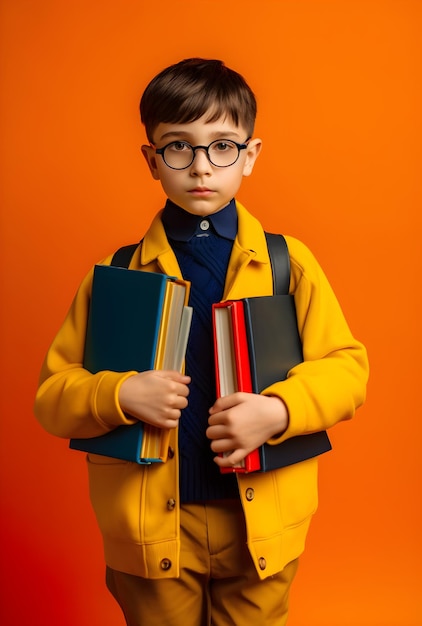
[178, 155]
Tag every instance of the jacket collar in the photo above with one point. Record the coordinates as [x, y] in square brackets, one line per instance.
[249, 244]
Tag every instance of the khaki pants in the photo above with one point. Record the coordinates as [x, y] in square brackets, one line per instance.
[218, 584]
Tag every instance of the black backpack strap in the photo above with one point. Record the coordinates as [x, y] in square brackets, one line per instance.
[277, 249]
[280, 262]
[123, 256]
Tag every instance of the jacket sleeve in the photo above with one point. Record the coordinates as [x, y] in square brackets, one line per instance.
[331, 382]
[70, 401]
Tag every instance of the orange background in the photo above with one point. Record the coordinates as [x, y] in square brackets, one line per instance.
[338, 86]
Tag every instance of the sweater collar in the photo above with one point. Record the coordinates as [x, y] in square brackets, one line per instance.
[182, 226]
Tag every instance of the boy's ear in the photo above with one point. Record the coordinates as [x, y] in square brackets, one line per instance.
[252, 153]
[151, 159]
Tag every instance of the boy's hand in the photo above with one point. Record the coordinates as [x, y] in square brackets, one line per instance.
[241, 422]
[156, 397]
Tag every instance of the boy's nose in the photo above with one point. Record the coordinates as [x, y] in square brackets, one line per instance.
[201, 163]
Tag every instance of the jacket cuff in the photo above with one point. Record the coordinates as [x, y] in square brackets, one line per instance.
[106, 407]
[296, 409]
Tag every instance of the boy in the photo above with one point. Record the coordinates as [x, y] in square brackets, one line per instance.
[184, 543]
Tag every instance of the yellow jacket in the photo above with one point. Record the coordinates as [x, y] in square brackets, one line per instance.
[137, 507]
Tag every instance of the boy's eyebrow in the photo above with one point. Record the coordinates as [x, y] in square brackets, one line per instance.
[185, 134]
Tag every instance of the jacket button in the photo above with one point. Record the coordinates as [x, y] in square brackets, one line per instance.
[171, 503]
[170, 453]
[165, 564]
[250, 494]
[262, 563]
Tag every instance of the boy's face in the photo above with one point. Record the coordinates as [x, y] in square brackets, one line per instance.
[201, 188]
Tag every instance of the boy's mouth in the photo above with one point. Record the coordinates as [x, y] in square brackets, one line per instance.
[200, 191]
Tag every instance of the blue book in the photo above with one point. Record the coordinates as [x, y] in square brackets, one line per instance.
[137, 321]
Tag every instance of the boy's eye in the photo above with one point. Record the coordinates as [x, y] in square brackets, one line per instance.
[223, 146]
[179, 146]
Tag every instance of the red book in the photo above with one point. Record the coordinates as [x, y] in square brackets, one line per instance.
[232, 365]
[261, 335]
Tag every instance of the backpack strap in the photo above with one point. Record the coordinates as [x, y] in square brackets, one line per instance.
[277, 249]
[123, 256]
[280, 263]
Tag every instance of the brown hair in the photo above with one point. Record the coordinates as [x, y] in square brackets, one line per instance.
[186, 91]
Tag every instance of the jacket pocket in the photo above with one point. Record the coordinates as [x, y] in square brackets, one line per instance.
[297, 487]
[115, 489]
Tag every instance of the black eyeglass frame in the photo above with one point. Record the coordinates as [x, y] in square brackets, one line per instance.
[239, 146]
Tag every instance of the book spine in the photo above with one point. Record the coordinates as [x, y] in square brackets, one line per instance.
[250, 345]
[252, 461]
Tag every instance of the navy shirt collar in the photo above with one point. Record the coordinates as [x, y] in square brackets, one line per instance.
[182, 226]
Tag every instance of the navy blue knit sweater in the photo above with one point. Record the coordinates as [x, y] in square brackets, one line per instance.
[203, 260]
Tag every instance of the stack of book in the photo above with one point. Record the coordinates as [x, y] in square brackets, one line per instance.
[256, 343]
[137, 321]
